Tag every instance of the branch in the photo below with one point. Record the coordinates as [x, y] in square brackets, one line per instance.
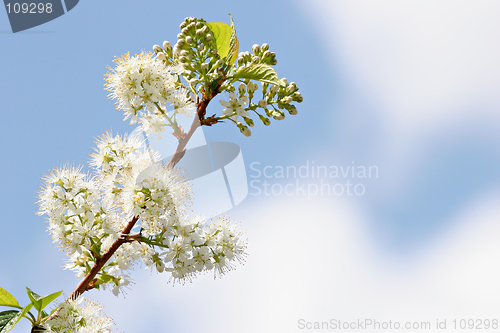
[85, 284]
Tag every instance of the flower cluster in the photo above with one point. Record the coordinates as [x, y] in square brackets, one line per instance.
[195, 51]
[195, 57]
[143, 87]
[275, 100]
[79, 316]
[87, 215]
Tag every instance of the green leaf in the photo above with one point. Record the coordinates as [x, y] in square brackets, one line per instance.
[259, 72]
[6, 299]
[234, 45]
[40, 302]
[8, 320]
[34, 298]
[46, 300]
[222, 35]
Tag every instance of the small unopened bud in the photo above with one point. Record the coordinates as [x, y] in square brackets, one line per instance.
[242, 88]
[255, 59]
[297, 96]
[265, 120]
[263, 103]
[208, 37]
[252, 87]
[204, 66]
[240, 61]
[176, 50]
[157, 48]
[285, 81]
[256, 48]
[264, 87]
[249, 121]
[292, 110]
[292, 87]
[278, 115]
[264, 47]
[287, 100]
[180, 35]
[244, 129]
[189, 39]
[161, 56]
[166, 45]
[274, 89]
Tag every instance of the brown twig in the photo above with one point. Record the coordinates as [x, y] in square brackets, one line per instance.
[99, 263]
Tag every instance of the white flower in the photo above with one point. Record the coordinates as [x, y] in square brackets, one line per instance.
[235, 107]
[82, 316]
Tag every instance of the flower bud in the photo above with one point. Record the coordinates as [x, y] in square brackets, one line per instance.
[157, 48]
[242, 88]
[255, 59]
[189, 39]
[176, 50]
[264, 47]
[249, 121]
[274, 89]
[292, 110]
[240, 61]
[252, 87]
[204, 66]
[292, 87]
[263, 103]
[264, 87]
[208, 37]
[285, 81]
[243, 129]
[166, 45]
[265, 120]
[161, 56]
[286, 100]
[297, 96]
[278, 115]
[256, 48]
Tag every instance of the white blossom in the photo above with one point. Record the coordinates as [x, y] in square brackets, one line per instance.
[235, 107]
[79, 316]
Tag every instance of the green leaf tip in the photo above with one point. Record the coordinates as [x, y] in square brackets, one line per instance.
[6, 299]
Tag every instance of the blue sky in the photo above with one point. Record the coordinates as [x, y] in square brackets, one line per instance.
[410, 88]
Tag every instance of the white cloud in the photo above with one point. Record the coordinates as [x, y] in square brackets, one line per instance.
[314, 261]
[424, 69]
